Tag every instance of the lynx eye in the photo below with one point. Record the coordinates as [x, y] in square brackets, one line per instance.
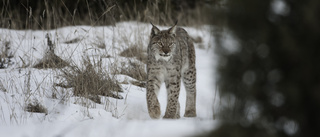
[160, 45]
[171, 45]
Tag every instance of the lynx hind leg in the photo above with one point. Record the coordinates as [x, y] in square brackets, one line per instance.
[152, 101]
[189, 81]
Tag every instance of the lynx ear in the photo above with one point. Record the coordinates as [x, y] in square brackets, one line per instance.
[154, 30]
[173, 29]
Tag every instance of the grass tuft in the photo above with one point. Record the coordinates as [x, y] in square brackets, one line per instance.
[50, 60]
[135, 52]
[72, 41]
[2, 88]
[90, 82]
[36, 107]
[5, 55]
[135, 70]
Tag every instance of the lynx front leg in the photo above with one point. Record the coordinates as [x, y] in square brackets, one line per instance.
[178, 110]
[173, 90]
[153, 86]
[189, 80]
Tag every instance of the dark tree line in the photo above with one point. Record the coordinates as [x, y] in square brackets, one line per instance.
[49, 14]
[273, 79]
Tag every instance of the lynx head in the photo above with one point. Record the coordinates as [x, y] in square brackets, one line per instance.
[163, 43]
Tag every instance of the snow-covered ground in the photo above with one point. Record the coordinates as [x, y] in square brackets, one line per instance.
[65, 116]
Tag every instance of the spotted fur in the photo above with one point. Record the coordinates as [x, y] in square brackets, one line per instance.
[171, 57]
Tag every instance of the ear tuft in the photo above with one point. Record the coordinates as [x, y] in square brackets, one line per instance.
[173, 29]
[154, 30]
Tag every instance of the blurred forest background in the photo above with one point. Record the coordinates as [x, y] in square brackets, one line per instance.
[271, 79]
[269, 83]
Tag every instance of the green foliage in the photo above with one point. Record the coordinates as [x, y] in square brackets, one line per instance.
[273, 77]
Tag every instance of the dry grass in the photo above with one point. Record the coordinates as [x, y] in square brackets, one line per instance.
[135, 52]
[134, 67]
[166, 12]
[2, 88]
[75, 40]
[141, 84]
[100, 44]
[54, 14]
[90, 82]
[5, 55]
[50, 60]
[36, 107]
[135, 70]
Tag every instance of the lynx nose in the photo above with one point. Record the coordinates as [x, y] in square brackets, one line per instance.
[166, 50]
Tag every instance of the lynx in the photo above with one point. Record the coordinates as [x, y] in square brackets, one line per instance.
[171, 55]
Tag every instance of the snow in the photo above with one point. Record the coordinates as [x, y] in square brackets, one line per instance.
[67, 116]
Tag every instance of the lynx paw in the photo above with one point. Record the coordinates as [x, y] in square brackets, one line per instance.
[155, 112]
[168, 117]
[171, 116]
[190, 113]
[177, 116]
